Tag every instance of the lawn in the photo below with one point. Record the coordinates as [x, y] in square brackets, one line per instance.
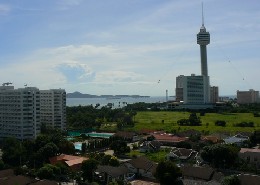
[167, 121]
[153, 156]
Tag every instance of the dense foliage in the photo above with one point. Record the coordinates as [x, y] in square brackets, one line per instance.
[220, 155]
[167, 173]
[193, 120]
[34, 153]
[82, 117]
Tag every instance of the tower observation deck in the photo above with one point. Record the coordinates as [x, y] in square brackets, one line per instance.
[203, 39]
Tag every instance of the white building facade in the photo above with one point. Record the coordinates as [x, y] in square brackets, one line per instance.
[193, 89]
[19, 112]
[53, 108]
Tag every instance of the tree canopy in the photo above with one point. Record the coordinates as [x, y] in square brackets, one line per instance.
[167, 173]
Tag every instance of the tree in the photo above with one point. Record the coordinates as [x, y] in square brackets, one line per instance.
[220, 123]
[49, 150]
[83, 148]
[220, 155]
[231, 180]
[167, 173]
[106, 159]
[66, 147]
[194, 120]
[45, 172]
[113, 161]
[2, 165]
[88, 168]
[13, 152]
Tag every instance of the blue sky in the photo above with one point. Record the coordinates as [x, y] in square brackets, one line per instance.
[127, 46]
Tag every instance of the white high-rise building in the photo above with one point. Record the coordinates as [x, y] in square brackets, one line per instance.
[19, 112]
[53, 108]
[192, 89]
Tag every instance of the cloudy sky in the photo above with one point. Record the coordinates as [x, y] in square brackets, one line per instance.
[127, 46]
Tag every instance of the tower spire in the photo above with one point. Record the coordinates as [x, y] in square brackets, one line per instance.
[202, 14]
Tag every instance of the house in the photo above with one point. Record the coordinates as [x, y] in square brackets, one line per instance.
[44, 182]
[108, 174]
[182, 154]
[7, 177]
[246, 179]
[238, 139]
[251, 155]
[6, 173]
[73, 162]
[211, 138]
[19, 179]
[201, 173]
[129, 136]
[150, 146]
[141, 166]
[197, 182]
[168, 139]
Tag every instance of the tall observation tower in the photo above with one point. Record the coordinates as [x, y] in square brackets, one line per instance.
[203, 39]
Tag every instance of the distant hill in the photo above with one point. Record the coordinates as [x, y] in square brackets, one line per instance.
[80, 95]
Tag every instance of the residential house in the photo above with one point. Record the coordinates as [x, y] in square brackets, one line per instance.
[7, 177]
[108, 174]
[247, 179]
[45, 182]
[198, 182]
[19, 179]
[142, 167]
[168, 139]
[182, 154]
[238, 139]
[6, 173]
[73, 162]
[251, 155]
[211, 138]
[201, 173]
[129, 136]
[150, 146]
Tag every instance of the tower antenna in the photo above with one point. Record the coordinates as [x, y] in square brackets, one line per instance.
[202, 14]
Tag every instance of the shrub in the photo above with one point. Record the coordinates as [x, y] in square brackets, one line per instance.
[220, 123]
[244, 124]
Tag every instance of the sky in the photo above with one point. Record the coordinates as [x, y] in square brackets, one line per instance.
[127, 46]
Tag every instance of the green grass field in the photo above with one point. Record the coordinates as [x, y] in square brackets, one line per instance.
[153, 120]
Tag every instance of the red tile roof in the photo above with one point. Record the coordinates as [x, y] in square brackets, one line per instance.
[72, 161]
[164, 137]
[254, 150]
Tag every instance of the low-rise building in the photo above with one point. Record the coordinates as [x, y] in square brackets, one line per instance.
[141, 166]
[181, 153]
[199, 173]
[248, 179]
[73, 162]
[150, 146]
[238, 139]
[245, 97]
[107, 174]
[250, 155]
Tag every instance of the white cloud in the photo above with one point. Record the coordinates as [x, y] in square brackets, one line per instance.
[4, 9]
[117, 77]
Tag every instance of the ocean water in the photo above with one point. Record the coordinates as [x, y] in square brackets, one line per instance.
[117, 103]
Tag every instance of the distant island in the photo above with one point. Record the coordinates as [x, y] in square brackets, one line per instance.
[80, 95]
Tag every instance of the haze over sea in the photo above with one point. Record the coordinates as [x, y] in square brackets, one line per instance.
[120, 102]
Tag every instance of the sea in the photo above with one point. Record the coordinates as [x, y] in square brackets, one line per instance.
[115, 102]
